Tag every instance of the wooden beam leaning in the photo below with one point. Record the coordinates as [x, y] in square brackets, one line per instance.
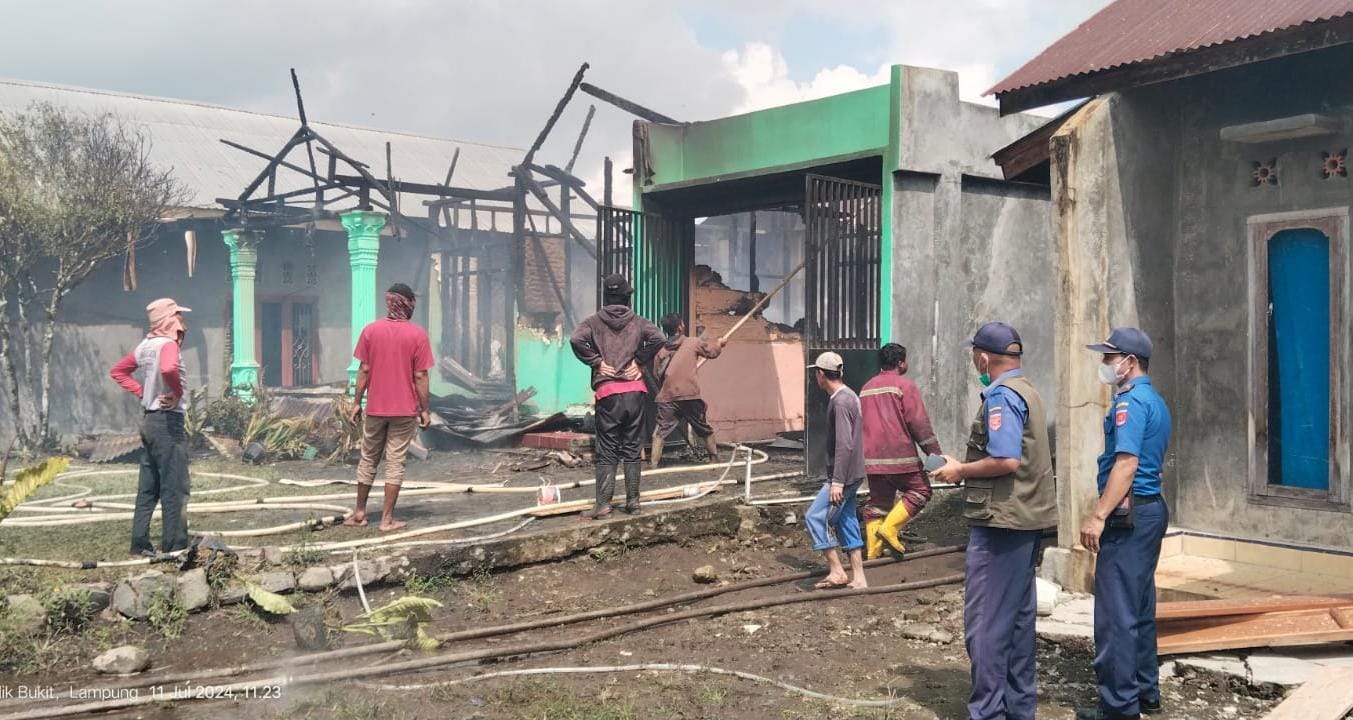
[554, 117]
[535, 189]
[578, 146]
[630, 107]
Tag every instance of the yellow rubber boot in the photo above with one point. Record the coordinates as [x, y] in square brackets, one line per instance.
[873, 544]
[892, 526]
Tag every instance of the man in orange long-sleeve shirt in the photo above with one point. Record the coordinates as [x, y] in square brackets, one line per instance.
[895, 423]
[153, 372]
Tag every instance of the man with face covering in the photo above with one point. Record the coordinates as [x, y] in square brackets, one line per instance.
[615, 342]
[153, 372]
[1126, 530]
[395, 357]
[1009, 498]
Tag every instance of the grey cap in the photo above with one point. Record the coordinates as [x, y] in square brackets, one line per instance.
[1125, 341]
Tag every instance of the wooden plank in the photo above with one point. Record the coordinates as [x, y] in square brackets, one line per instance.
[1328, 695]
[1235, 632]
[1248, 606]
[628, 106]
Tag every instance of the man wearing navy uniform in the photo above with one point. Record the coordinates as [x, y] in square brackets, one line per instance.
[1126, 530]
[1009, 498]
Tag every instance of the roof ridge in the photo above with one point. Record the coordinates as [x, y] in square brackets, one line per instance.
[215, 106]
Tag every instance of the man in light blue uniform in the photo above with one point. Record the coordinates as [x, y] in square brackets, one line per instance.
[1126, 530]
[1008, 500]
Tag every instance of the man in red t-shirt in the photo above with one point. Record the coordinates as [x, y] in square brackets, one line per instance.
[395, 357]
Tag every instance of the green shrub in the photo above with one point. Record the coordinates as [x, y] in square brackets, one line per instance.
[166, 614]
[68, 609]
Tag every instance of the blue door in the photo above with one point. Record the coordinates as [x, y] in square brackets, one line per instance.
[1299, 359]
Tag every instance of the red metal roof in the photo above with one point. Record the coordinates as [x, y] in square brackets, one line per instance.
[1133, 31]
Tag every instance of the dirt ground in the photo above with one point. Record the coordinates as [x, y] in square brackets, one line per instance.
[851, 648]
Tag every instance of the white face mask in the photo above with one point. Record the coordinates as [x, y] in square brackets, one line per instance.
[1109, 374]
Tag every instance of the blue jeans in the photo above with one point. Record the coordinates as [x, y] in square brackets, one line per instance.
[1125, 611]
[998, 621]
[833, 526]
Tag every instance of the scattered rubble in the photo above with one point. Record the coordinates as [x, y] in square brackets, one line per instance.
[705, 574]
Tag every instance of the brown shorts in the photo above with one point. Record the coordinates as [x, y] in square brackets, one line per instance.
[385, 438]
[670, 415]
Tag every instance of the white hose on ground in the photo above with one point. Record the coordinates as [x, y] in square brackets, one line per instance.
[643, 667]
[306, 502]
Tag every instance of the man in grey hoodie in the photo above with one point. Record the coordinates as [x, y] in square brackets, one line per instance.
[615, 343]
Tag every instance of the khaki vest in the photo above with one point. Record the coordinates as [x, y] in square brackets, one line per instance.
[1027, 498]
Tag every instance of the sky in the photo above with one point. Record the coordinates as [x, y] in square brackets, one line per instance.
[491, 71]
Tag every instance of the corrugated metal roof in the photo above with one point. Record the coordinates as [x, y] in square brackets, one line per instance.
[185, 137]
[1133, 31]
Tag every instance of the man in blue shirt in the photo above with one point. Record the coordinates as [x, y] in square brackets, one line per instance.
[1009, 498]
[1126, 530]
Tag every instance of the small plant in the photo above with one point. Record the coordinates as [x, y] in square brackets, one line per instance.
[483, 594]
[304, 553]
[712, 694]
[166, 614]
[245, 614]
[349, 432]
[68, 609]
[417, 584]
[195, 420]
[227, 416]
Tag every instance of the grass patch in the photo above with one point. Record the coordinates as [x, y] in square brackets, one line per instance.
[427, 585]
[244, 613]
[481, 591]
[305, 554]
[166, 615]
[69, 609]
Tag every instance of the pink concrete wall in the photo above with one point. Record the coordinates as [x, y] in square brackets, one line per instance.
[755, 389]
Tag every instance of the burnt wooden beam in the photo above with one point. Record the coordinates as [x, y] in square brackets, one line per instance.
[578, 146]
[265, 156]
[535, 189]
[568, 180]
[455, 158]
[628, 106]
[273, 162]
[441, 191]
[309, 148]
[554, 117]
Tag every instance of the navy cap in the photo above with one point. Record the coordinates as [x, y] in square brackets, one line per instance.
[616, 284]
[1125, 341]
[999, 338]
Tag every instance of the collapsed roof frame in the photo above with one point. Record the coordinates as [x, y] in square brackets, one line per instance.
[261, 206]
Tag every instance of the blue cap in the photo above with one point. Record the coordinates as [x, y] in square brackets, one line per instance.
[998, 338]
[1125, 341]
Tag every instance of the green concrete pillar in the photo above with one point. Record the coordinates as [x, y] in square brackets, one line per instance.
[243, 246]
[364, 242]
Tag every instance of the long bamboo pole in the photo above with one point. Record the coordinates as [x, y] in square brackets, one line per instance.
[755, 309]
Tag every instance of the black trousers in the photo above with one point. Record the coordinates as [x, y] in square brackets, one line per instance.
[164, 480]
[620, 426]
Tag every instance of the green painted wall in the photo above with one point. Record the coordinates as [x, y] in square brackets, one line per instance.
[549, 367]
[851, 124]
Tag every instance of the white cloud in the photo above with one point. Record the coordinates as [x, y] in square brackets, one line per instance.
[763, 75]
